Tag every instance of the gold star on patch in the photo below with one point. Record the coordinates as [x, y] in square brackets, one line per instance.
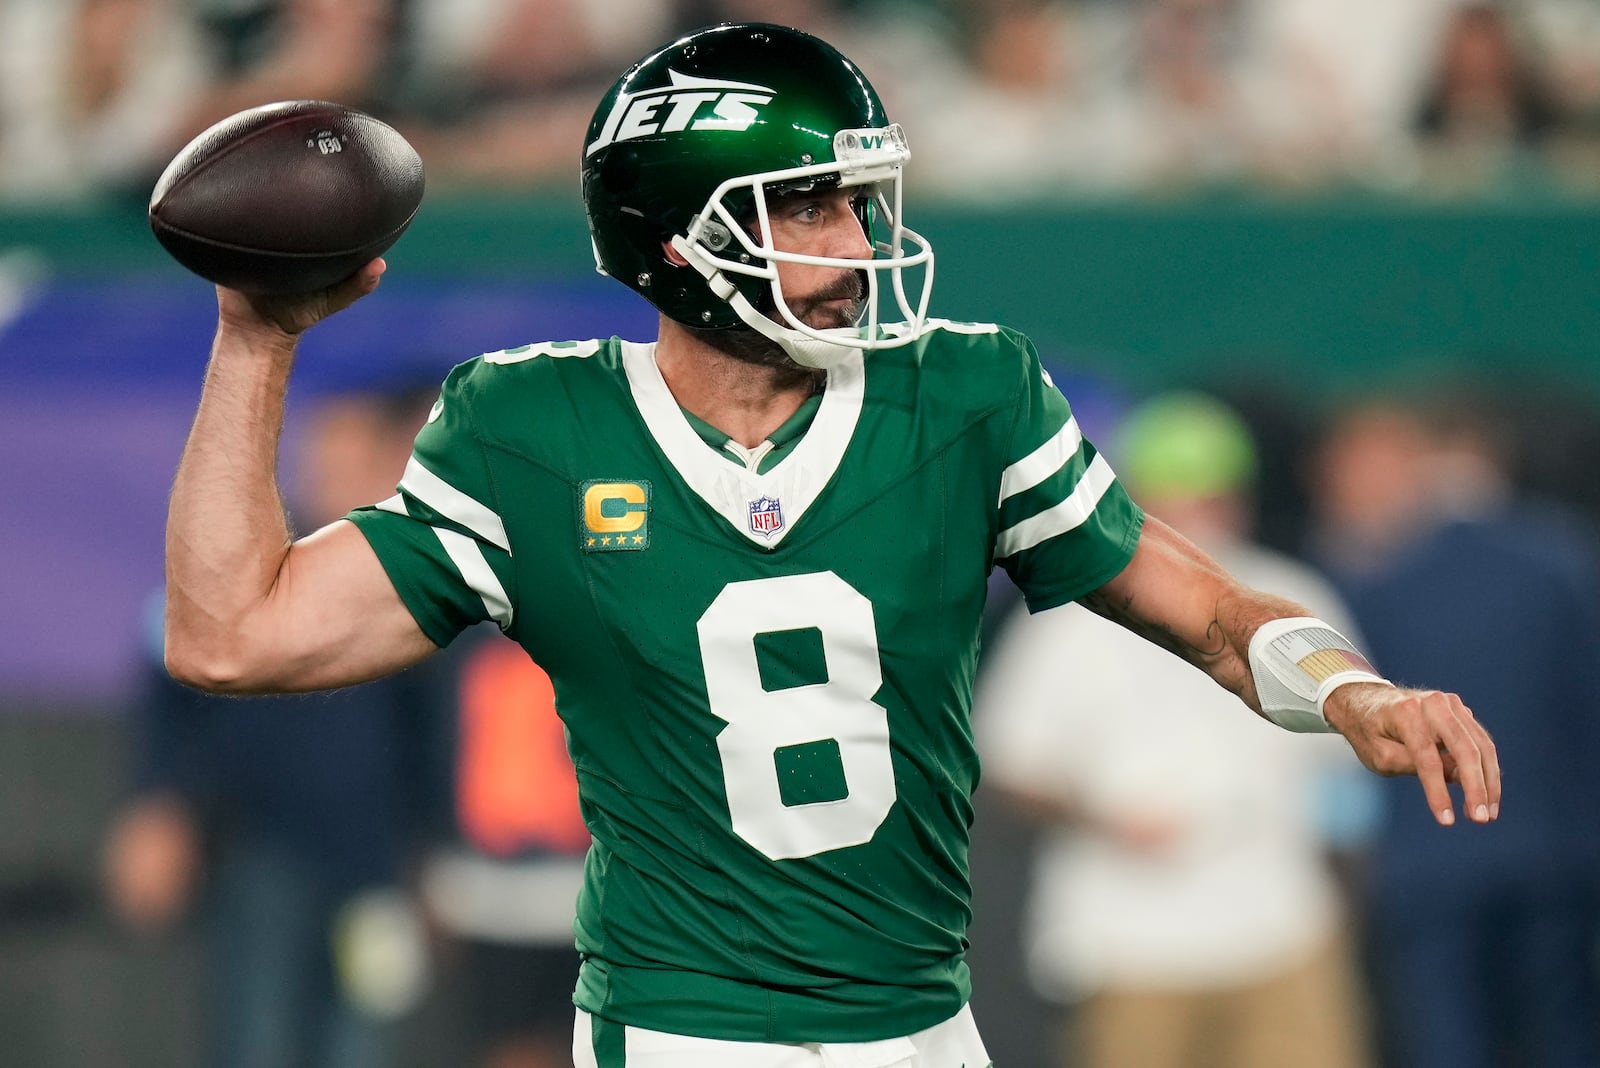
[638, 539]
[605, 541]
[591, 541]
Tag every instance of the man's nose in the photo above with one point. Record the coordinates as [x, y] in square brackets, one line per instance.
[848, 238]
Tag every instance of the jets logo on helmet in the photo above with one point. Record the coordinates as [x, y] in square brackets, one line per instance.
[689, 103]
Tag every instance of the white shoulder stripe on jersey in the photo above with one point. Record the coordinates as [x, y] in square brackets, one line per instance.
[454, 505]
[468, 557]
[395, 504]
[554, 349]
[1068, 515]
[1042, 462]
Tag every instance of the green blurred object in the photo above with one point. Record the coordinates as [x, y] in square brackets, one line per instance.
[1184, 445]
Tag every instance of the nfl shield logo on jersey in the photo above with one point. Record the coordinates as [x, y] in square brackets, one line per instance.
[766, 516]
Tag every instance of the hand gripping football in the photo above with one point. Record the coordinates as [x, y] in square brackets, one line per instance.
[287, 198]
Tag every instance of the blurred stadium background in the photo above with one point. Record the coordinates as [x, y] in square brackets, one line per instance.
[1284, 202]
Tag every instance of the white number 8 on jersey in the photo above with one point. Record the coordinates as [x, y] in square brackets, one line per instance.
[762, 721]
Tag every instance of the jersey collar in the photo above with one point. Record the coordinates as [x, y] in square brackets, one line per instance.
[812, 442]
[770, 451]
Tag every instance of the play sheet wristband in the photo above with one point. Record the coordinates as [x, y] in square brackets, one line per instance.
[1297, 662]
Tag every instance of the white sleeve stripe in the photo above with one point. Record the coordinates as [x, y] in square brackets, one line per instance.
[1068, 515]
[395, 504]
[1042, 462]
[454, 505]
[468, 557]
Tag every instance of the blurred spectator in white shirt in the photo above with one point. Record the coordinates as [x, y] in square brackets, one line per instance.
[1183, 904]
[1488, 110]
[501, 91]
[99, 95]
[89, 90]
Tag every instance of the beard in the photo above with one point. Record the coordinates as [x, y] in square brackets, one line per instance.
[747, 346]
[848, 287]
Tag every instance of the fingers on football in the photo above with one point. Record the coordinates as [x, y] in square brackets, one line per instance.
[297, 314]
[370, 274]
[343, 294]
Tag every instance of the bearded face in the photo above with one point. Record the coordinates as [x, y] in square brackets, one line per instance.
[837, 303]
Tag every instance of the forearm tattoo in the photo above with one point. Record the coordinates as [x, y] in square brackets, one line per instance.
[1120, 610]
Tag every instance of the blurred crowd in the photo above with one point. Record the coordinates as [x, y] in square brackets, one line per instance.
[1001, 98]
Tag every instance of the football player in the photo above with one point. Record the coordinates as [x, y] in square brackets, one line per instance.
[752, 555]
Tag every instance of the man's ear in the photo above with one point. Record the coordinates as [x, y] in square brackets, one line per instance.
[674, 257]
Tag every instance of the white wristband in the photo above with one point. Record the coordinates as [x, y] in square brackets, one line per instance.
[1296, 663]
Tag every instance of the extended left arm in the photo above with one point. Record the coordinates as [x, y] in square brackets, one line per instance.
[1174, 595]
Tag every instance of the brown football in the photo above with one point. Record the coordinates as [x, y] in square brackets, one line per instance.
[287, 198]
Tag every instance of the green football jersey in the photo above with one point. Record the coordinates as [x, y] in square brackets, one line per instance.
[765, 669]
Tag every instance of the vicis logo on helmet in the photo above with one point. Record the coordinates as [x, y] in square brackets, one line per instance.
[689, 103]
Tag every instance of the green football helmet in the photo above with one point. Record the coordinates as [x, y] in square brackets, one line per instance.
[689, 144]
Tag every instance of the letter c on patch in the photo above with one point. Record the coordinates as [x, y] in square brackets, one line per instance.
[614, 507]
